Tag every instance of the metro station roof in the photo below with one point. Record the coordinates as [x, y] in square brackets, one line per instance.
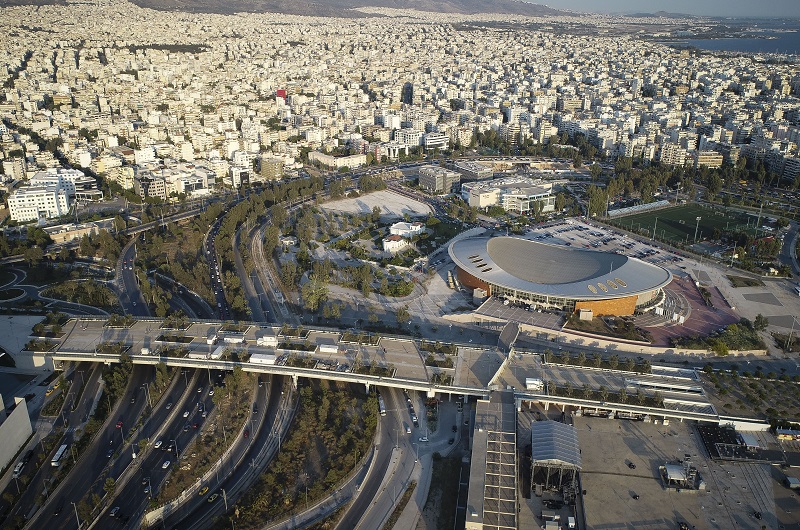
[553, 442]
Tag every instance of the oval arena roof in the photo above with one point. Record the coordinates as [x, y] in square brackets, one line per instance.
[556, 270]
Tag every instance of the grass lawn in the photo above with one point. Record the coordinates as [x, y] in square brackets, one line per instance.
[6, 276]
[9, 294]
[741, 281]
[678, 223]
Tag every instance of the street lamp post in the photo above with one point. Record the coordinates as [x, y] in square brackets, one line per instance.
[146, 389]
[76, 513]
[696, 227]
[46, 494]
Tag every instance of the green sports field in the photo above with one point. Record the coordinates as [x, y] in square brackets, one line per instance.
[678, 223]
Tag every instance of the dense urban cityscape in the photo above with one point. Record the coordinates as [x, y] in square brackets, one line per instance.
[393, 267]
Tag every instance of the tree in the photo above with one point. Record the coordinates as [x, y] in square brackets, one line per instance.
[594, 171]
[622, 395]
[630, 364]
[597, 360]
[587, 391]
[603, 393]
[761, 322]
[314, 293]
[402, 315]
[33, 256]
[568, 389]
[109, 486]
[582, 359]
[613, 361]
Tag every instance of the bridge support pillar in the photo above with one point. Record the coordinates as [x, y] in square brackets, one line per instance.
[546, 405]
[519, 404]
[563, 408]
[367, 386]
[431, 393]
[294, 381]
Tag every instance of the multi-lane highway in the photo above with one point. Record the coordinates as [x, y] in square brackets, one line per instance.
[178, 414]
[243, 465]
[107, 450]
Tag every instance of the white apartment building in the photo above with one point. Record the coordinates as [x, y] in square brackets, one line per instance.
[334, 162]
[434, 140]
[239, 175]
[35, 202]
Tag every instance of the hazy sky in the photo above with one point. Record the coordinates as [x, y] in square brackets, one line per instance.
[764, 8]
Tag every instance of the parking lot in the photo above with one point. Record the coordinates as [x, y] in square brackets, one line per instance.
[589, 236]
[735, 491]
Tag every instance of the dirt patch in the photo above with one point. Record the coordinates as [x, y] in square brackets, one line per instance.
[440, 507]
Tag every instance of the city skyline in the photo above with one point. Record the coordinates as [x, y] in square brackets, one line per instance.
[721, 8]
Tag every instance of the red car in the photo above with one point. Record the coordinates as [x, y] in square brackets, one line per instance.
[247, 433]
[119, 424]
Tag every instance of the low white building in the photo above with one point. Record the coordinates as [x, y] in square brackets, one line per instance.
[513, 194]
[337, 162]
[395, 243]
[35, 202]
[408, 230]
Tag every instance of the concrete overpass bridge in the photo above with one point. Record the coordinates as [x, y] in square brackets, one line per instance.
[295, 373]
[396, 362]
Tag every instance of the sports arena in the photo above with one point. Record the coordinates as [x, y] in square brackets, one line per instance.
[559, 277]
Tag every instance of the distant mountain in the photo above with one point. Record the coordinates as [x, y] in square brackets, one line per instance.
[345, 7]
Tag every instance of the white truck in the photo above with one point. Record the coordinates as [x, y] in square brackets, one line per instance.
[267, 341]
[328, 348]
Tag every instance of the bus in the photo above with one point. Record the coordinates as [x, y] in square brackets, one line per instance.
[381, 406]
[56, 461]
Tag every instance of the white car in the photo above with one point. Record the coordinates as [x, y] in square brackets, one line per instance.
[423, 438]
[166, 464]
[157, 444]
[186, 414]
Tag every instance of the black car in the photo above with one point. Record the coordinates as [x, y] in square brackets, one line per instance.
[455, 429]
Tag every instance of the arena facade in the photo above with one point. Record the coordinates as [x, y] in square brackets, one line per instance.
[559, 277]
